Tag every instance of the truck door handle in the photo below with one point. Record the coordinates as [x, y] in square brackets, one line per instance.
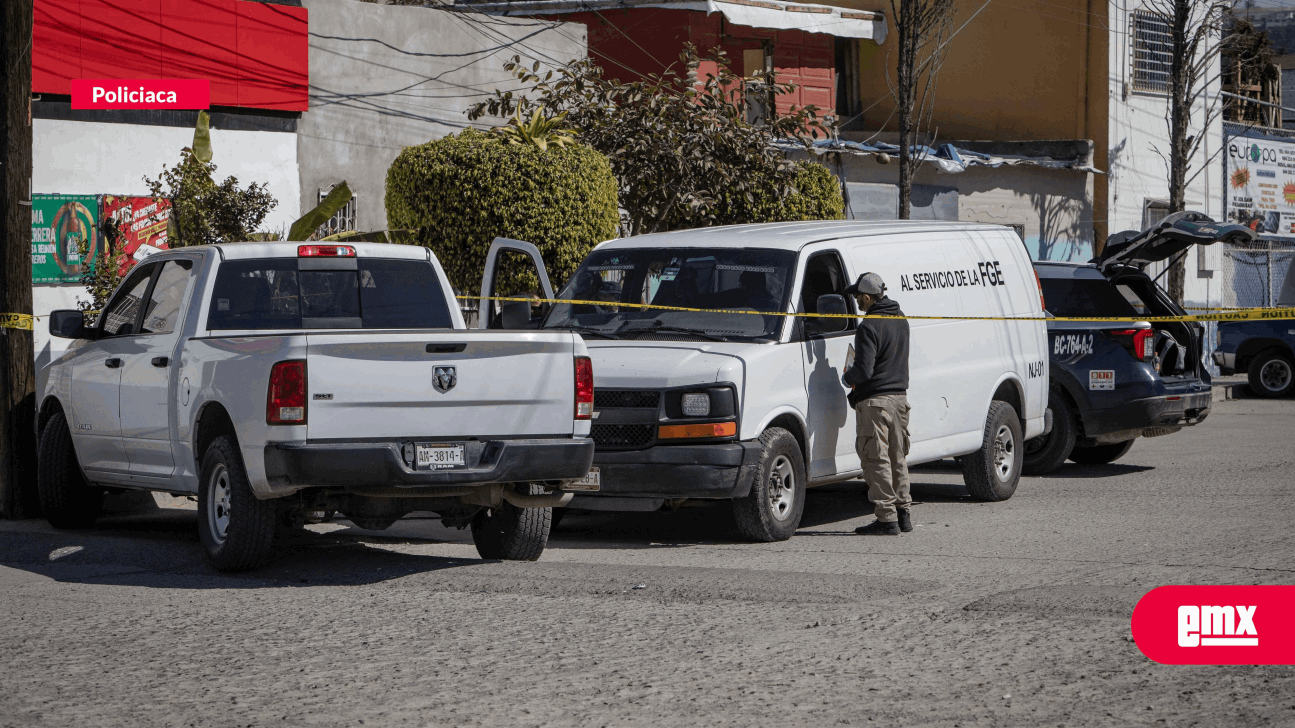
[161, 361]
[112, 363]
[445, 348]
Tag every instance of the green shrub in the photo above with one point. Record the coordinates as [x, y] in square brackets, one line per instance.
[817, 197]
[461, 192]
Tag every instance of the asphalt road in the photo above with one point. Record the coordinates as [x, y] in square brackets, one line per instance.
[1014, 613]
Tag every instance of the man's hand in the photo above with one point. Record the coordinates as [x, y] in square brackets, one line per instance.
[847, 384]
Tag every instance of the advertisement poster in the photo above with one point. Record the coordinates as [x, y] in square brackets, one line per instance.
[59, 224]
[1261, 184]
[143, 223]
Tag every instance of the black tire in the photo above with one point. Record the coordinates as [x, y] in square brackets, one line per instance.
[511, 533]
[1101, 454]
[66, 498]
[236, 529]
[772, 510]
[1046, 453]
[992, 472]
[1271, 375]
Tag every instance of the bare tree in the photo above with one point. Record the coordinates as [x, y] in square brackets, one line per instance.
[923, 29]
[1195, 41]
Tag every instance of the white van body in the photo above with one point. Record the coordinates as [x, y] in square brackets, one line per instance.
[792, 378]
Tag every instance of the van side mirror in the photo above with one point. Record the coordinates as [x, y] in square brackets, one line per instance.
[515, 315]
[67, 324]
[832, 304]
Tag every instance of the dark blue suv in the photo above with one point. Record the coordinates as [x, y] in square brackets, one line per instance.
[1264, 350]
[1112, 382]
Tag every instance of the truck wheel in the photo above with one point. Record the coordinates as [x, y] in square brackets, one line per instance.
[1101, 454]
[772, 510]
[1271, 374]
[1046, 453]
[992, 472]
[66, 498]
[235, 528]
[511, 533]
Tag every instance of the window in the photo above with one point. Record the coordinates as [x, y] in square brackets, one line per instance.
[120, 315]
[342, 221]
[1084, 297]
[168, 293]
[823, 275]
[380, 294]
[1152, 42]
[1153, 211]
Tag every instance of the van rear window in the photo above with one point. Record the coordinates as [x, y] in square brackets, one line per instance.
[1084, 297]
[382, 294]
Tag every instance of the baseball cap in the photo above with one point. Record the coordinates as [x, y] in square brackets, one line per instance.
[869, 283]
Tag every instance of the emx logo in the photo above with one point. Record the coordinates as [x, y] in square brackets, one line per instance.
[1217, 625]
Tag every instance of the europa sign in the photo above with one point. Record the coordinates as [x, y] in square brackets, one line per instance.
[1260, 190]
[141, 94]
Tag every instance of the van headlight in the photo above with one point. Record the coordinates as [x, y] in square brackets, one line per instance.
[696, 404]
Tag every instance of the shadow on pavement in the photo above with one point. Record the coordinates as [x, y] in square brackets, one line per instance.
[1073, 470]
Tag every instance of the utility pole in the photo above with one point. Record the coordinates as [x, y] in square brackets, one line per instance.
[17, 357]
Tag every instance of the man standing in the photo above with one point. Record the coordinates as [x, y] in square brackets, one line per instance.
[878, 381]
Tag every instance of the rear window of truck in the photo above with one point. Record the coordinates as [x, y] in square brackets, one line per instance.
[1084, 297]
[382, 294]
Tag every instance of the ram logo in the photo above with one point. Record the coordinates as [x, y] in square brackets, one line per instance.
[444, 378]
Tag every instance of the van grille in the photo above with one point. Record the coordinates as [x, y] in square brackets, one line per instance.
[621, 436]
[617, 398]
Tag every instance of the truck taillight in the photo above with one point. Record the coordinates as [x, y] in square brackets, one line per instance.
[1143, 342]
[1043, 305]
[325, 251]
[285, 402]
[584, 388]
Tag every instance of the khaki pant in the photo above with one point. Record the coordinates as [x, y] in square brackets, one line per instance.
[881, 439]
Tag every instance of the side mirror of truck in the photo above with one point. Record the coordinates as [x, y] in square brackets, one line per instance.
[67, 324]
[832, 304]
[516, 315]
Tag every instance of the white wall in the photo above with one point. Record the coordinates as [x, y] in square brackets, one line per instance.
[1139, 135]
[91, 158]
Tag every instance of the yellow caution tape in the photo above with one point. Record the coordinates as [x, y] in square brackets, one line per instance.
[1246, 314]
[15, 321]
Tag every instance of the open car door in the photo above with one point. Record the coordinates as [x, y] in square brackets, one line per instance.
[514, 269]
[1167, 238]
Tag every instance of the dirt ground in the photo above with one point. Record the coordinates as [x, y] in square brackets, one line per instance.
[1014, 613]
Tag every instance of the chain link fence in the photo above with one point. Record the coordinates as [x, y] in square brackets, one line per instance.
[1252, 275]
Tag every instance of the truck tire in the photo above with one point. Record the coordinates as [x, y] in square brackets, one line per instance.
[511, 533]
[1101, 454]
[992, 472]
[236, 529]
[67, 500]
[1046, 453]
[772, 510]
[1271, 375]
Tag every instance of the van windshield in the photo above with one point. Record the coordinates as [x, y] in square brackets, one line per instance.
[730, 287]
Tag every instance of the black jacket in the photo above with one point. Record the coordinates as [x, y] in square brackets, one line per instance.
[880, 354]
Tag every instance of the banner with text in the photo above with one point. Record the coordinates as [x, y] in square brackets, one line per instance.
[143, 222]
[59, 225]
[1261, 184]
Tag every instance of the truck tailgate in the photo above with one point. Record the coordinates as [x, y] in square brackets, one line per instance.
[439, 384]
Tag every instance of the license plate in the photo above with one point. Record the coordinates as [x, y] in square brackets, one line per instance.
[440, 457]
[591, 481]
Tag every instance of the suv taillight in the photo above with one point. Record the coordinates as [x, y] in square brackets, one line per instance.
[1141, 343]
[285, 402]
[1043, 305]
[584, 388]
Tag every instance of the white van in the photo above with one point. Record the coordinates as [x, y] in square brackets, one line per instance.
[749, 406]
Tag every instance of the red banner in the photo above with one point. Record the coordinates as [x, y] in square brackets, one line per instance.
[190, 93]
[143, 222]
[1217, 625]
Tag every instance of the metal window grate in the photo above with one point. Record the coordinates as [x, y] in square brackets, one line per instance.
[342, 221]
[1152, 52]
[621, 436]
[611, 398]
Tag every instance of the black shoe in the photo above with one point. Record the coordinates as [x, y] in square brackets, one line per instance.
[879, 528]
[905, 520]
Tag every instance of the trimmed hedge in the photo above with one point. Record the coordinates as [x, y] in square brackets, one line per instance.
[817, 197]
[461, 192]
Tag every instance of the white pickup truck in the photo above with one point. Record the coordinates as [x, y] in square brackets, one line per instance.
[277, 380]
